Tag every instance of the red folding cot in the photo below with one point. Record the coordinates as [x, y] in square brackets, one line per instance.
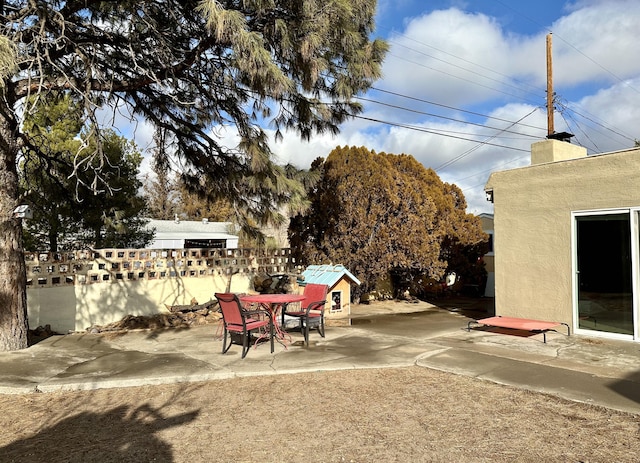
[524, 324]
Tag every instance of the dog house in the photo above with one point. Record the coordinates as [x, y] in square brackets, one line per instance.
[339, 281]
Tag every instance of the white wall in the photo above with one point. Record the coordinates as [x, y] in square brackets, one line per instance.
[77, 307]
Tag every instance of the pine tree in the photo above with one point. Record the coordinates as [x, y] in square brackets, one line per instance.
[190, 68]
[68, 213]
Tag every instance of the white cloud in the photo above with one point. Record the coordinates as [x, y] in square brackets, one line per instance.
[597, 41]
[435, 59]
[445, 55]
[468, 60]
[614, 113]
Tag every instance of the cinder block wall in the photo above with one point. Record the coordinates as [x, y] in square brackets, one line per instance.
[70, 291]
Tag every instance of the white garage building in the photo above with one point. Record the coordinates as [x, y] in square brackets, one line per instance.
[186, 234]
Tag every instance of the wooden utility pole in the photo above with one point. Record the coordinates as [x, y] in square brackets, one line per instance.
[550, 95]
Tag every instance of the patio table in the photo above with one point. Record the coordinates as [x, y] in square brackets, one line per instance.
[274, 303]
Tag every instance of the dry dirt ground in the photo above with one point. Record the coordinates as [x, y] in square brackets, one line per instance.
[391, 415]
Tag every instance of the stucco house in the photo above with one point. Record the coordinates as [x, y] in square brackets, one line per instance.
[567, 239]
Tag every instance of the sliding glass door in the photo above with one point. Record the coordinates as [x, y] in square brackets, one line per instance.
[604, 263]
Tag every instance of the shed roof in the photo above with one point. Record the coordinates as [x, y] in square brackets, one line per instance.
[179, 229]
[327, 274]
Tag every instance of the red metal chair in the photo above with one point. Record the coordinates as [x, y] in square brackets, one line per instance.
[238, 321]
[311, 309]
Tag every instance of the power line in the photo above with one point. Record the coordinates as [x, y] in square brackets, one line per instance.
[389, 92]
[464, 80]
[465, 69]
[421, 129]
[619, 79]
[444, 117]
[407, 38]
[594, 121]
[469, 151]
[565, 115]
[465, 61]
[489, 170]
[487, 142]
[571, 46]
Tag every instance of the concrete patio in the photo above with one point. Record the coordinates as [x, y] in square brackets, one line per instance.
[381, 335]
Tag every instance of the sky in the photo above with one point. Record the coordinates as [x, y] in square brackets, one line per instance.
[464, 86]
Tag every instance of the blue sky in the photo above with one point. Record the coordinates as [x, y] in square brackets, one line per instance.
[524, 16]
[464, 85]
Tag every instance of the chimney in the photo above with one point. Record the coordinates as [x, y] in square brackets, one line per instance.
[553, 150]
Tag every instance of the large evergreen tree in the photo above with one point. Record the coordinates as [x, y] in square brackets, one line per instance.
[383, 213]
[188, 67]
[68, 213]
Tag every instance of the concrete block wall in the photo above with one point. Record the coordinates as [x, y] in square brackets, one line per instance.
[71, 291]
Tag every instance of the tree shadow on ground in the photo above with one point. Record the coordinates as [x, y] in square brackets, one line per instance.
[472, 307]
[628, 387]
[122, 434]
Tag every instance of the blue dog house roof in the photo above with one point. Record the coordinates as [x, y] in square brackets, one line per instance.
[328, 275]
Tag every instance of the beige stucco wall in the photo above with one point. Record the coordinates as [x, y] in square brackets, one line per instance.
[555, 150]
[77, 307]
[532, 226]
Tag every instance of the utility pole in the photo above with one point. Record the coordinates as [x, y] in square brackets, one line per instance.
[550, 95]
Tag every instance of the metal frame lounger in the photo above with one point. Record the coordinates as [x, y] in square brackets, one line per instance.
[525, 324]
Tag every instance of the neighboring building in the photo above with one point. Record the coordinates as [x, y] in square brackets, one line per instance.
[487, 227]
[339, 281]
[186, 234]
[567, 239]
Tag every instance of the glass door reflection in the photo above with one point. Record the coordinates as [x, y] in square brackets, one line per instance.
[605, 294]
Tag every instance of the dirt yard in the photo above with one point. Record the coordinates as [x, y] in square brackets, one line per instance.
[391, 415]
